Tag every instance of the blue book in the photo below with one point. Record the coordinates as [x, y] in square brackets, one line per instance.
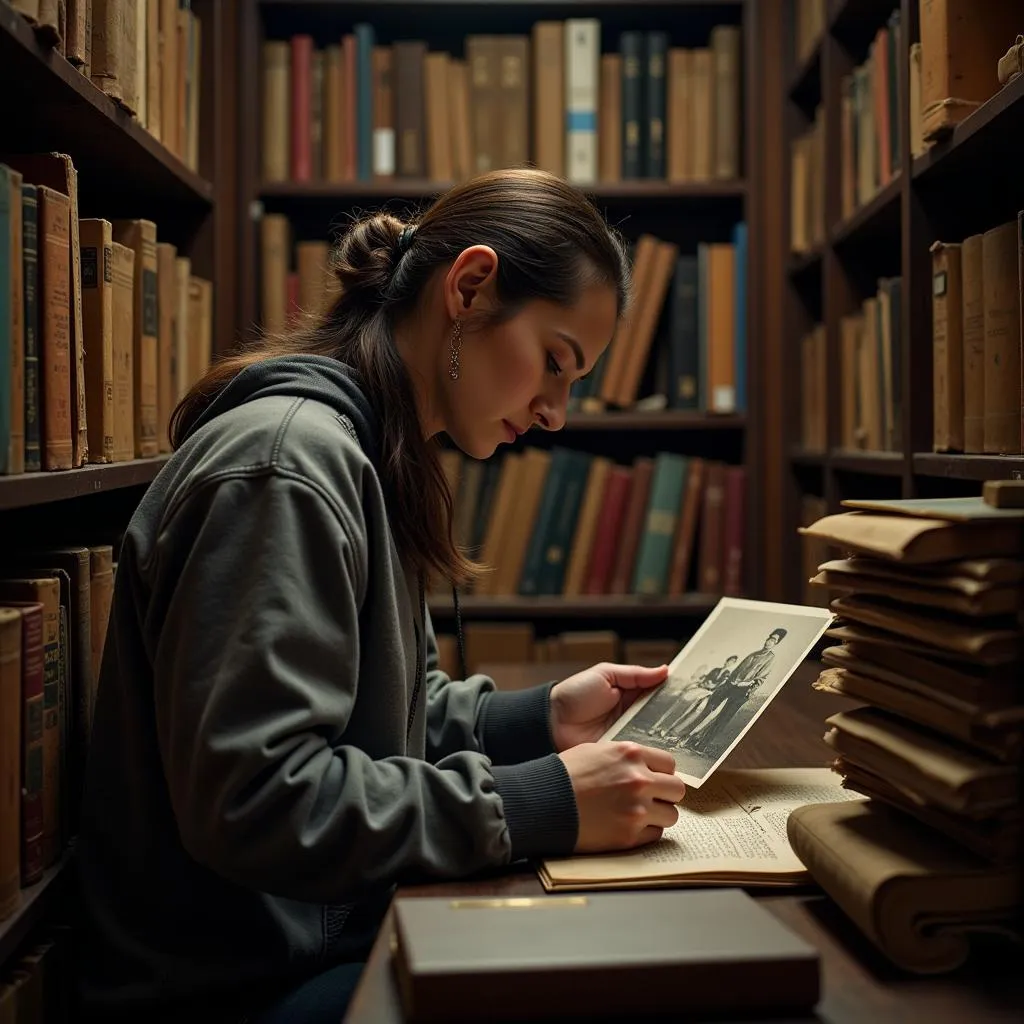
[365, 39]
[739, 240]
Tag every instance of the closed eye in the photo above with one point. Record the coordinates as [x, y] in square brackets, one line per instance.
[553, 366]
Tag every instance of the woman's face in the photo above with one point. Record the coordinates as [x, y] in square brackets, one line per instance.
[518, 373]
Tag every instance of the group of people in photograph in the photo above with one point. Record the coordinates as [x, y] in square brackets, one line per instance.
[698, 719]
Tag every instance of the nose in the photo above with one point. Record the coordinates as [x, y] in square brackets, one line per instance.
[548, 415]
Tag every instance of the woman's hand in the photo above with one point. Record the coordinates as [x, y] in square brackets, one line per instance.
[586, 704]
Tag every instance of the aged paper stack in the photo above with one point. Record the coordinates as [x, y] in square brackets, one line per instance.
[930, 639]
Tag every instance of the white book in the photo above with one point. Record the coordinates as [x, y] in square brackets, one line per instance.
[582, 85]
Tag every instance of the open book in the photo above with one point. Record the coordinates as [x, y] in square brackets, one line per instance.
[731, 831]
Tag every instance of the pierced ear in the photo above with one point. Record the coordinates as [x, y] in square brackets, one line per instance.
[475, 273]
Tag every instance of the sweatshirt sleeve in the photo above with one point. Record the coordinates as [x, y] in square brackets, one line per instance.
[253, 619]
[509, 726]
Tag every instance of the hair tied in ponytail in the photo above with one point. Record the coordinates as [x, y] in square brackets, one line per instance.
[405, 239]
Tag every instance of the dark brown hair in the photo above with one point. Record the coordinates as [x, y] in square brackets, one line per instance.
[551, 244]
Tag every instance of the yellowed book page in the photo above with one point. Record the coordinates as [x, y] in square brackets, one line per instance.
[733, 828]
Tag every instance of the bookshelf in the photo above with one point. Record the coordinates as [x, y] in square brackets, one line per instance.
[123, 172]
[683, 212]
[958, 186]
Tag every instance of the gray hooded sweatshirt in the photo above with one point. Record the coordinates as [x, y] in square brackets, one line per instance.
[274, 746]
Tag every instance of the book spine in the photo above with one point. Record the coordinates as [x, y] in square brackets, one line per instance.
[301, 112]
[582, 75]
[631, 47]
[30, 257]
[10, 753]
[6, 360]
[654, 120]
[16, 461]
[97, 314]
[365, 38]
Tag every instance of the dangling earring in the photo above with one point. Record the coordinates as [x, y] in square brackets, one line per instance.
[453, 362]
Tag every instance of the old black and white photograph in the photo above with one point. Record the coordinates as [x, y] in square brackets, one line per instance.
[721, 681]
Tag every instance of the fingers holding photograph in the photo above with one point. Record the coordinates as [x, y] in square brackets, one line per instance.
[721, 681]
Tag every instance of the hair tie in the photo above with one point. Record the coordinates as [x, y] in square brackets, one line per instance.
[405, 239]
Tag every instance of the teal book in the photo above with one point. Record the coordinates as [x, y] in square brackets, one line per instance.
[654, 557]
[5, 318]
[563, 526]
[529, 582]
[365, 39]
[631, 46]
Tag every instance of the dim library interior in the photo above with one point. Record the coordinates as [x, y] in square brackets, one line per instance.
[814, 400]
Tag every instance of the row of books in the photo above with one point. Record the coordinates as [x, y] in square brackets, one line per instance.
[102, 328]
[689, 315]
[145, 55]
[54, 609]
[929, 641]
[516, 643]
[807, 175]
[871, 361]
[870, 119]
[356, 109]
[978, 341]
[564, 522]
[810, 20]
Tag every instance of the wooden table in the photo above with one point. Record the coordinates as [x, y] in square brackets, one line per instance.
[858, 984]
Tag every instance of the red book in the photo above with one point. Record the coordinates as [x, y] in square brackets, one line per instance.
[686, 534]
[609, 530]
[633, 526]
[732, 541]
[302, 75]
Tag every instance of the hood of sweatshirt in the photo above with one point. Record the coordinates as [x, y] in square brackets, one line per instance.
[302, 376]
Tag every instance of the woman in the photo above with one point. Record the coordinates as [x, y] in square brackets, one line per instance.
[274, 746]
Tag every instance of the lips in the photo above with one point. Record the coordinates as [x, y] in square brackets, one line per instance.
[511, 430]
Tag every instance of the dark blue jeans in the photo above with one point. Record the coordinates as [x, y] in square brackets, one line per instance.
[321, 1000]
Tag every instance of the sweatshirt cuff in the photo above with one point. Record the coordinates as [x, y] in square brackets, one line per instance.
[515, 725]
[540, 807]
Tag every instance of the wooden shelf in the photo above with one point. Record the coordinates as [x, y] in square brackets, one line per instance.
[611, 606]
[969, 467]
[670, 419]
[992, 132]
[871, 463]
[420, 188]
[802, 457]
[805, 263]
[503, 3]
[39, 488]
[879, 216]
[68, 113]
[33, 904]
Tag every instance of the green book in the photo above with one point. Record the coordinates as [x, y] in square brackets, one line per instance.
[655, 553]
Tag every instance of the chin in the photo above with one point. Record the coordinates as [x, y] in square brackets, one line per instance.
[475, 447]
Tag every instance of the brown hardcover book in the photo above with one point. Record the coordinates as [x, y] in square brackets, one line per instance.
[609, 113]
[277, 59]
[301, 157]
[549, 96]
[725, 51]
[973, 312]
[154, 67]
[130, 71]
[16, 450]
[410, 114]
[107, 65]
[506, 643]
[44, 591]
[721, 328]
[712, 529]
[513, 100]
[484, 76]
[680, 112]
[10, 759]
[140, 236]
[30, 751]
[316, 114]
[702, 114]
[195, 36]
[350, 96]
[182, 276]
[1020, 310]
[460, 119]
[98, 325]
[382, 63]
[166, 254]
[683, 544]
[959, 56]
[55, 332]
[275, 249]
[333, 121]
[586, 527]
[533, 477]
[617, 355]
[183, 48]
[122, 343]
[632, 526]
[200, 326]
[436, 75]
[169, 76]
[1001, 287]
[101, 595]
[311, 258]
[733, 540]
[947, 347]
[500, 517]
[643, 325]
